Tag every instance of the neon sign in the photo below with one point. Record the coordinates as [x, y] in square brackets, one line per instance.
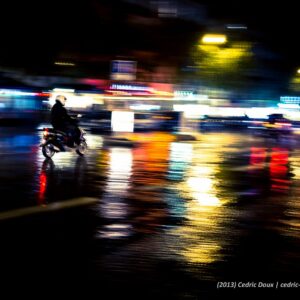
[129, 87]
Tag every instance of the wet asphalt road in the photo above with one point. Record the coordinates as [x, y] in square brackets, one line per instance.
[164, 219]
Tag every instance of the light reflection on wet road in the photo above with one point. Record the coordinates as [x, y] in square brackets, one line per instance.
[172, 218]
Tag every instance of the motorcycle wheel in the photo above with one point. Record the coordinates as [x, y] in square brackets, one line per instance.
[48, 151]
[81, 148]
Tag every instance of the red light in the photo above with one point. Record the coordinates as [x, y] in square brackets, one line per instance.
[43, 94]
[43, 183]
[258, 156]
[279, 169]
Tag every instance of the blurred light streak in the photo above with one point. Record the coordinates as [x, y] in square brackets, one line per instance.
[198, 240]
[279, 169]
[181, 152]
[258, 156]
[192, 110]
[61, 63]
[136, 98]
[180, 157]
[94, 142]
[43, 185]
[115, 231]
[236, 26]
[214, 39]
[120, 164]
[260, 112]
[122, 121]
[59, 90]
[290, 106]
[144, 107]
[8, 92]
[204, 253]
[113, 205]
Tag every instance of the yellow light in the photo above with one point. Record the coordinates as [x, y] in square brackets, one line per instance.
[214, 39]
[198, 240]
[162, 93]
[298, 71]
[61, 63]
[204, 253]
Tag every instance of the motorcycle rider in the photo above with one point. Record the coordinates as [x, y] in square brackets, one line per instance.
[61, 120]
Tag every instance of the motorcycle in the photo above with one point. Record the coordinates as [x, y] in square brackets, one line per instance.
[58, 141]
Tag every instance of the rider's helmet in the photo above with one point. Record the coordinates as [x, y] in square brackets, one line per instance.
[62, 99]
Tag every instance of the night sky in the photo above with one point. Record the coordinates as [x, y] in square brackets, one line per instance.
[35, 33]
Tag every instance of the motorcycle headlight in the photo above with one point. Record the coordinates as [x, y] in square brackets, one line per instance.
[45, 133]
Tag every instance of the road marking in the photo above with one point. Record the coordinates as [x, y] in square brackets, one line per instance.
[26, 211]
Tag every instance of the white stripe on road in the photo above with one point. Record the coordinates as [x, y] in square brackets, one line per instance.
[21, 212]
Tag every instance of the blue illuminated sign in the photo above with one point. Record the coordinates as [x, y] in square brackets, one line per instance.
[290, 100]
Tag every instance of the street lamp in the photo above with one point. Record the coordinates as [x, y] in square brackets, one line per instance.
[214, 39]
[298, 71]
